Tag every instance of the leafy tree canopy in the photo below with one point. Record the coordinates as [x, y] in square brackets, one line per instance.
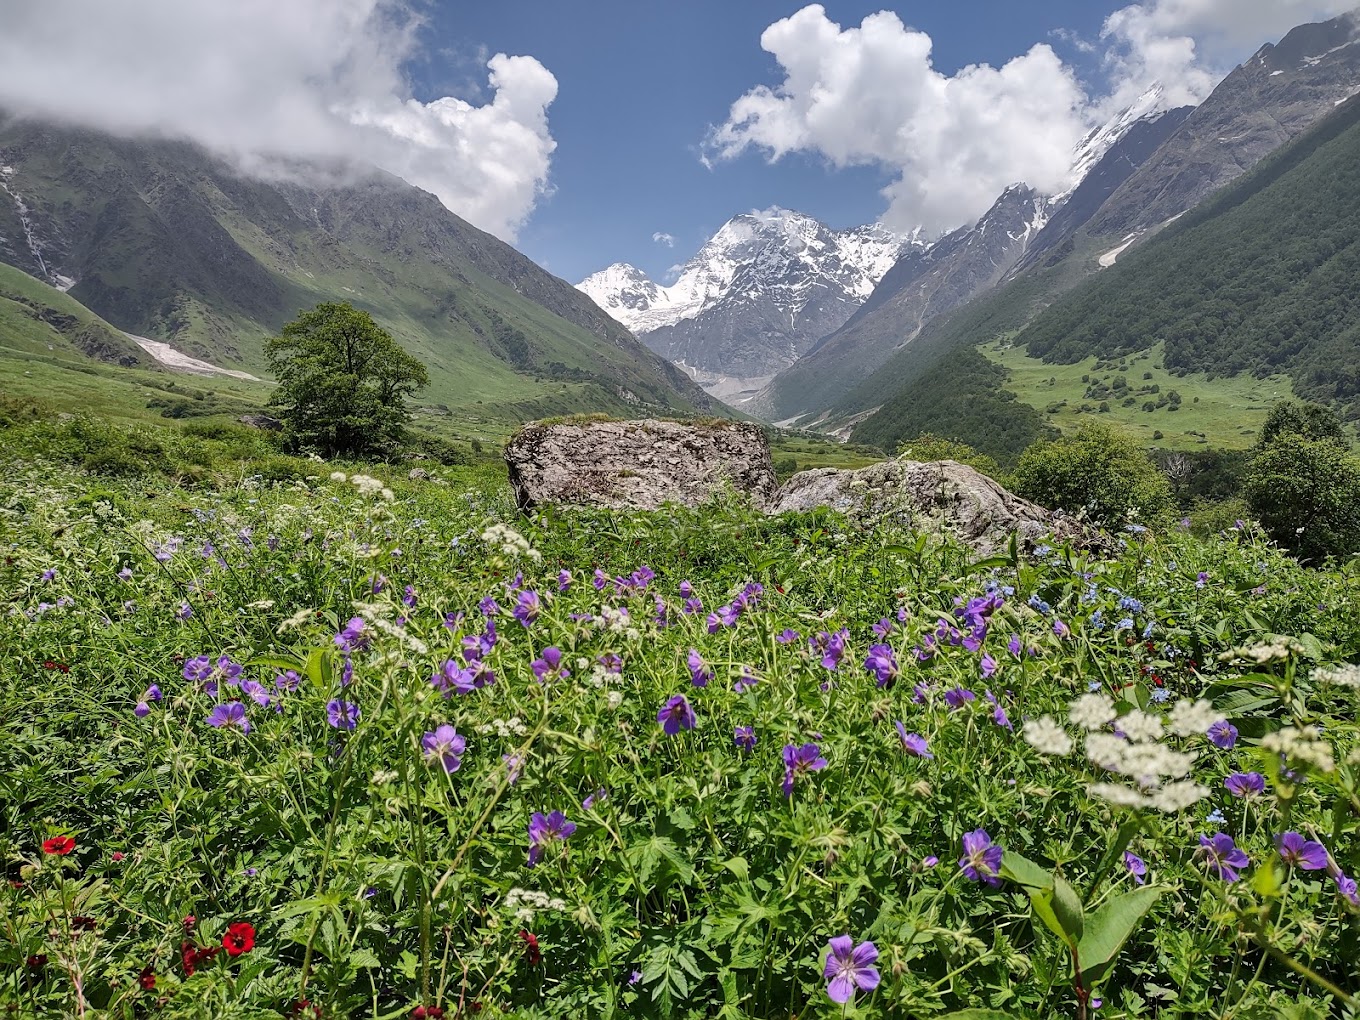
[343, 381]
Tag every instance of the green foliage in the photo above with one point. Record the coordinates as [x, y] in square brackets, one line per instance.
[928, 447]
[1311, 421]
[343, 382]
[1306, 494]
[1260, 279]
[1097, 471]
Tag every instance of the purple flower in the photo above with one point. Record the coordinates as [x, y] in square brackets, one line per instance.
[676, 715]
[882, 628]
[913, 743]
[288, 681]
[635, 977]
[831, 647]
[1222, 857]
[528, 607]
[1136, 867]
[787, 636]
[409, 596]
[445, 746]
[125, 574]
[152, 693]
[981, 860]
[544, 830]
[379, 583]
[610, 662]
[600, 579]
[1347, 888]
[699, 675]
[514, 764]
[599, 796]
[1223, 734]
[343, 715]
[745, 738]
[489, 607]
[1245, 784]
[746, 681]
[49, 574]
[957, 697]
[453, 677]
[228, 714]
[549, 665]
[184, 611]
[799, 761]
[352, 638]
[850, 966]
[141, 710]
[1013, 645]
[999, 715]
[1061, 629]
[882, 663]
[929, 862]
[563, 580]
[257, 692]
[1303, 853]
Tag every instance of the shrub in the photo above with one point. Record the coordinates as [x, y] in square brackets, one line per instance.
[1306, 494]
[1099, 471]
[928, 447]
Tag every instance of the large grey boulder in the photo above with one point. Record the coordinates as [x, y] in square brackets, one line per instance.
[941, 497]
[638, 465]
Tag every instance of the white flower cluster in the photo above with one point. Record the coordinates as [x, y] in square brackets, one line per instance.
[1092, 712]
[299, 619]
[524, 903]
[376, 614]
[505, 728]
[510, 542]
[1189, 718]
[1276, 649]
[366, 484]
[1302, 744]
[618, 621]
[1345, 675]
[1047, 737]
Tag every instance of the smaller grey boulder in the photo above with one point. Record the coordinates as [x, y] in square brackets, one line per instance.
[418, 475]
[941, 497]
[261, 421]
[638, 465]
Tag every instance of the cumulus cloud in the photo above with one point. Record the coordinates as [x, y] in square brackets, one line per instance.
[871, 96]
[302, 79]
[1188, 45]
[663, 238]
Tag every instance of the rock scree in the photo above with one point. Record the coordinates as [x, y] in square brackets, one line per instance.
[638, 465]
[939, 497]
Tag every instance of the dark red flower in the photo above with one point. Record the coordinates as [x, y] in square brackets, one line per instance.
[116, 856]
[240, 938]
[83, 923]
[60, 845]
[427, 1013]
[189, 921]
[531, 952]
[15, 883]
[37, 962]
[303, 1005]
[191, 956]
[147, 978]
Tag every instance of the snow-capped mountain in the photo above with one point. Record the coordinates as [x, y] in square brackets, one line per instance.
[755, 297]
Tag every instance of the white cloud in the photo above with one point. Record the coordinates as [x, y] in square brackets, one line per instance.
[663, 238]
[307, 79]
[1188, 45]
[871, 96]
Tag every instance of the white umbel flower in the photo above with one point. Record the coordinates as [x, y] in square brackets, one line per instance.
[1092, 712]
[1141, 727]
[1047, 737]
[1301, 744]
[1189, 718]
[1345, 675]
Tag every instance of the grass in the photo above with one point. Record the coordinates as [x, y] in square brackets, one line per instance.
[1222, 413]
[380, 861]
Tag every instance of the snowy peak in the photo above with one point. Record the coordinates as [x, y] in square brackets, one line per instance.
[1092, 149]
[772, 254]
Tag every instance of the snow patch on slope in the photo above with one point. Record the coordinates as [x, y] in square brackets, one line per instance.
[168, 356]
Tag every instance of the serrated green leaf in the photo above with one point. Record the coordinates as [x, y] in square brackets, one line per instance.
[1109, 927]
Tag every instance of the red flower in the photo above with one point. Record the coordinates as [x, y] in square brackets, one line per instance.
[531, 948]
[37, 962]
[303, 1005]
[83, 923]
[117, 856]
[191, 956]
[147, 978]
[427, 1013]
[240, 938]
[60, 845]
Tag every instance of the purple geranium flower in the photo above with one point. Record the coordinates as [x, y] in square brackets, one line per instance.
[787, 636]
[343, 715]
[957, 697]
[1303, 853]
[549, 665]
[445, 746]
[352, 637]
[410, 596]
[989, 667]
[800, 760]
[882, 663]
[528, 607]
[288, 680]
[981, 860]
[1245, 784]
[1136, 867]
[699, 675]
[1347, 888]
[999, 715]
[882, 628]
[676, 715]
[543, 830]
[831, 647]
[913, 743]
[1223, 734]
[453, 677]
[598, 797]
[257, 692]
[563, 580]
[1222, 857]
[514, 764]
[125, 574]
[850, 966]
[229, 714]
[745, 738]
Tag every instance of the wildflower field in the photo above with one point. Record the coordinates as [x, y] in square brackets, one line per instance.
[355, 746]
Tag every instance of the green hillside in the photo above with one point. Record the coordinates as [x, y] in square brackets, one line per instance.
[1261, 279]
[166, 242]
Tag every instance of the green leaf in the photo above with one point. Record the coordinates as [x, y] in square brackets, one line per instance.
[977, 1014]
[1109, 927]
[738, 866]
[1067, 908]
[1041, 901]
[1024, 871]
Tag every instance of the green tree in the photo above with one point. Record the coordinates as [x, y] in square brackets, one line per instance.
[930, 447]
[343, 381]
[1097, 470]
[1304, 484]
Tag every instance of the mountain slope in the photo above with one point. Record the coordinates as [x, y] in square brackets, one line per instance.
[165, 241]
[754, 298]
[1258, 279]
[35, 317]
[920, 286]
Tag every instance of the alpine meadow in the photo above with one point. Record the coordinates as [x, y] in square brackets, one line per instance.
[937, 597]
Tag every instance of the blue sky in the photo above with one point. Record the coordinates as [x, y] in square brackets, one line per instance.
[642, 81]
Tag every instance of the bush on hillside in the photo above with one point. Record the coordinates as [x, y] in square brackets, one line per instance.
[1098, 471]
[1306, 494]
[928, 446]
